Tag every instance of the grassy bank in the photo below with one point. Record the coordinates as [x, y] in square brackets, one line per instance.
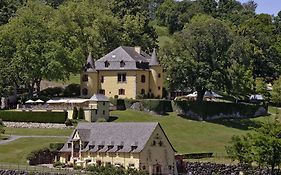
[188, 136]
[38, 131]
[15, 152]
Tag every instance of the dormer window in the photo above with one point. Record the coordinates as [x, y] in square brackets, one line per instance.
[122, 63]
[91, 146]
[106, 64]
[100, 147]
[120, 147]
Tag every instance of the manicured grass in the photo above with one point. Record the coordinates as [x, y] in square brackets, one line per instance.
[188, 136]
[38, 131]
[72, 79]
[15, 152]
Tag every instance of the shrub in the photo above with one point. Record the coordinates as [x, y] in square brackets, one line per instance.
[113, 101]
[72, 90]
[157, 105]
[130, 102]
[57, 164]
[39, 117]
[75, 113]
[52, 92]
[68, 122]
[56, 146]
[81, 113]
[120, 104]
[207, 108]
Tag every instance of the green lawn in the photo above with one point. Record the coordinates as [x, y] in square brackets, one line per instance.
[15, 152]
[38, 131]
[72, 79]
[188, 136]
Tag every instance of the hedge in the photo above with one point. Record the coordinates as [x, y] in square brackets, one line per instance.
[207, 108]
[157, 105]
[39, 117]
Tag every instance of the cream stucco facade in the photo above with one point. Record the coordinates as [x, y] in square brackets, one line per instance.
[139, 78]
[156, 157]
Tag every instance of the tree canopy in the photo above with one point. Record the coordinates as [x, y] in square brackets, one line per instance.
[206, 55]
[262, 147]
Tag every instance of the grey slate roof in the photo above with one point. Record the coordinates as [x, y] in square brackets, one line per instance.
[122, 136]
[132, 59]
[99, 97]
[154, 60]
[90, 65]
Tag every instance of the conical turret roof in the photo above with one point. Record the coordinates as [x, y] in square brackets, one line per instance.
[154, 60]
[90, 65]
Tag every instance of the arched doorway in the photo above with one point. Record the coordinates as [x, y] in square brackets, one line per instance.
[157, 170]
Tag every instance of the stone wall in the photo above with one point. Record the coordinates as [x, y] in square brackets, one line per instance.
[198, 168]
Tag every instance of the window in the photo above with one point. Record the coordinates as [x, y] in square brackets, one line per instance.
[159, 75]
[85, 91]
[159, 88]
[160, 143]
[154, 143]
[96, 111]
[170, 167]
[131, 165]
[142, 91]
[102, 91]
[91, 146]
[121, 77]
[102, 79]
[143, 78]
[143, 167]
[103, 112]
[85, 78]
[150, 90]
[121, 92]
[122, 63]
[69, 145]
[106, 64]
[103, 103]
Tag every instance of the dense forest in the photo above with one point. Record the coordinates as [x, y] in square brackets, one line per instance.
[204, 45]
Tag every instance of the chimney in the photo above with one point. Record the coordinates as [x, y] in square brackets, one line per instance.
[138, 49]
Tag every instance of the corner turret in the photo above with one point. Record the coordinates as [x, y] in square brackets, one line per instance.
[154, 60]
[90, 65]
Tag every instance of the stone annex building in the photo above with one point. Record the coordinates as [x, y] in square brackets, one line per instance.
[143, 146]
[125, 72]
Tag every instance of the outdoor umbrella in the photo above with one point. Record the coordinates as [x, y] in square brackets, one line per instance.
[39, 101]
[30, 102]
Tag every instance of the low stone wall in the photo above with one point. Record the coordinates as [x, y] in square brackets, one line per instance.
[35, 125]
[220, 169]
[23, 172]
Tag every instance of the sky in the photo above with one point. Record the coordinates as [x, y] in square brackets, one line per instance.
[271, 7]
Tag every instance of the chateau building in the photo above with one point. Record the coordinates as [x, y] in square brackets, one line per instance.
[126, 72]
[143, 146]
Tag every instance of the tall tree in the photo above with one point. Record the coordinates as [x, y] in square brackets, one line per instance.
[261, 32]
[33, 54]
[262, 147]
[204, 57]
[8, 9]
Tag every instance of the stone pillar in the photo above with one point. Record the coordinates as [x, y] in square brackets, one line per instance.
[3, 102]
[80, 149]
[72, 150]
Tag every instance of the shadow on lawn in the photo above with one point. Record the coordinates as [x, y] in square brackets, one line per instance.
[243, 124]
[112, 118]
